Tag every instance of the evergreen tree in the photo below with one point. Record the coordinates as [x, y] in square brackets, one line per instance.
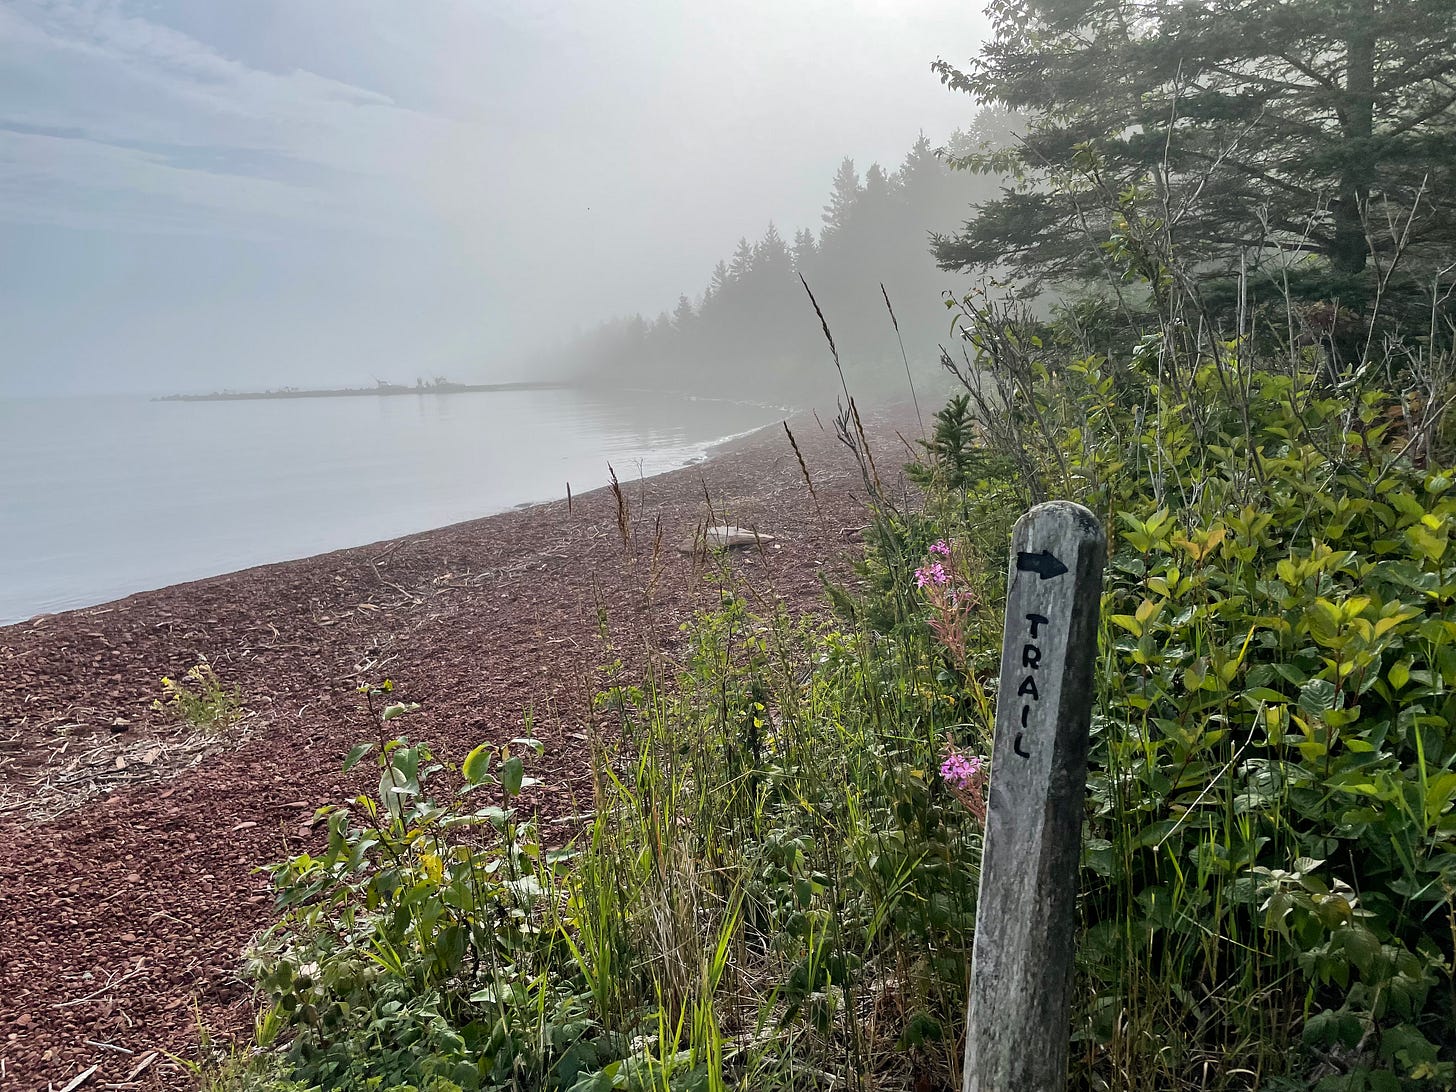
[718, 283]
[842, 198]
[876, 188]
[1254, 130]
[683, 315]
[805, 250]
[771, 255]
[742, 262]
[921, 168]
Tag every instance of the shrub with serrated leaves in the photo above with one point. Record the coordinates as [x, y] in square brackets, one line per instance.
[1270, 868]
[420, 949]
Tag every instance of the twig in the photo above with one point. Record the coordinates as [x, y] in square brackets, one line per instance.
[111, 984]
[391, 548]
[109, 1046]
[80, 1078]
[147, 1059]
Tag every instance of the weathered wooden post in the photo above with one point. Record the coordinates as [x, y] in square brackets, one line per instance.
[1021, 964]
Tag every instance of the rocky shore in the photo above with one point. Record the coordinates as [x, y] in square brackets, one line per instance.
[130, 846]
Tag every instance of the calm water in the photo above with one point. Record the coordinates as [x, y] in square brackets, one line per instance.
[100, 498]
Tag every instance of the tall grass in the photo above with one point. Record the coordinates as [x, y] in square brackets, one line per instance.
[772, 831]
[774, 888]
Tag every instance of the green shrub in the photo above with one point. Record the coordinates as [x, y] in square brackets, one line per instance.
[421, 949]
[201, 700]
[1271, 851]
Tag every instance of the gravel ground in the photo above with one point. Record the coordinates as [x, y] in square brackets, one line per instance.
[129, 847]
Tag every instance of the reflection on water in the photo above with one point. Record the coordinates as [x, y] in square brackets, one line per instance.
[100, 498]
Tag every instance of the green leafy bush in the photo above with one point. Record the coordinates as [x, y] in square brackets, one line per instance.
[1271, 853]
[421, 948]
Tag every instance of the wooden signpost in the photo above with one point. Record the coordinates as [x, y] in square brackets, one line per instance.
[1021, 964]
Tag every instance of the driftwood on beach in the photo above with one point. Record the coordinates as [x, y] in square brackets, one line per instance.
[724, 537]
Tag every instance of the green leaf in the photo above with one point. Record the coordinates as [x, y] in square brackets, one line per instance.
[398, 709]
[1097, 855]
[1257, 694]
[477, 764]
[1332, 1026]
[407, 761]
[1400, 672]
[356, 752]
[1407, 1043]
[1317, 696]
[1431, 546]
[1439, 792]
[1362, 946]
[512, 770]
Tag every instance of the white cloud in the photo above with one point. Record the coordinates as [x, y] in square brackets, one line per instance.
[82, 183]
[134, 94]
[487, 155]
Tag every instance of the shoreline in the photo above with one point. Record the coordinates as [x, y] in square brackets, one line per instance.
[697, 453]
[133, 845]
[384, 390]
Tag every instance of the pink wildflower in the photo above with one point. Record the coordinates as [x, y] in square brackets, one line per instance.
[930, 574]
[966, 777]
[958, 770]
[940, 548]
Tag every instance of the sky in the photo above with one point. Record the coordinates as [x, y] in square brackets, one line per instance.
[199, 194]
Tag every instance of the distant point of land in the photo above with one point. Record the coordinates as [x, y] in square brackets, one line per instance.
[381, 389]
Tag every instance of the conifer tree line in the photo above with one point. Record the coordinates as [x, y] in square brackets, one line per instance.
[1283, 149]
[751, 331]
[1298, 156]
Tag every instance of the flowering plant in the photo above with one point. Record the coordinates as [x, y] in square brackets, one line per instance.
[966, 776]
[200, 699]
[932, 574]
[951, 602]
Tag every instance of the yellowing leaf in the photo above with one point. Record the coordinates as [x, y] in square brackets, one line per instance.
[1431, 547]
[1354, 606]
[477, 764]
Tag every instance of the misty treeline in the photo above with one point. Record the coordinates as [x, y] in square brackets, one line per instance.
[1300, 158]
[751, 331]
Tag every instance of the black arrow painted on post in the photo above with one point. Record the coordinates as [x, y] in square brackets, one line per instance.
[1044, 564]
